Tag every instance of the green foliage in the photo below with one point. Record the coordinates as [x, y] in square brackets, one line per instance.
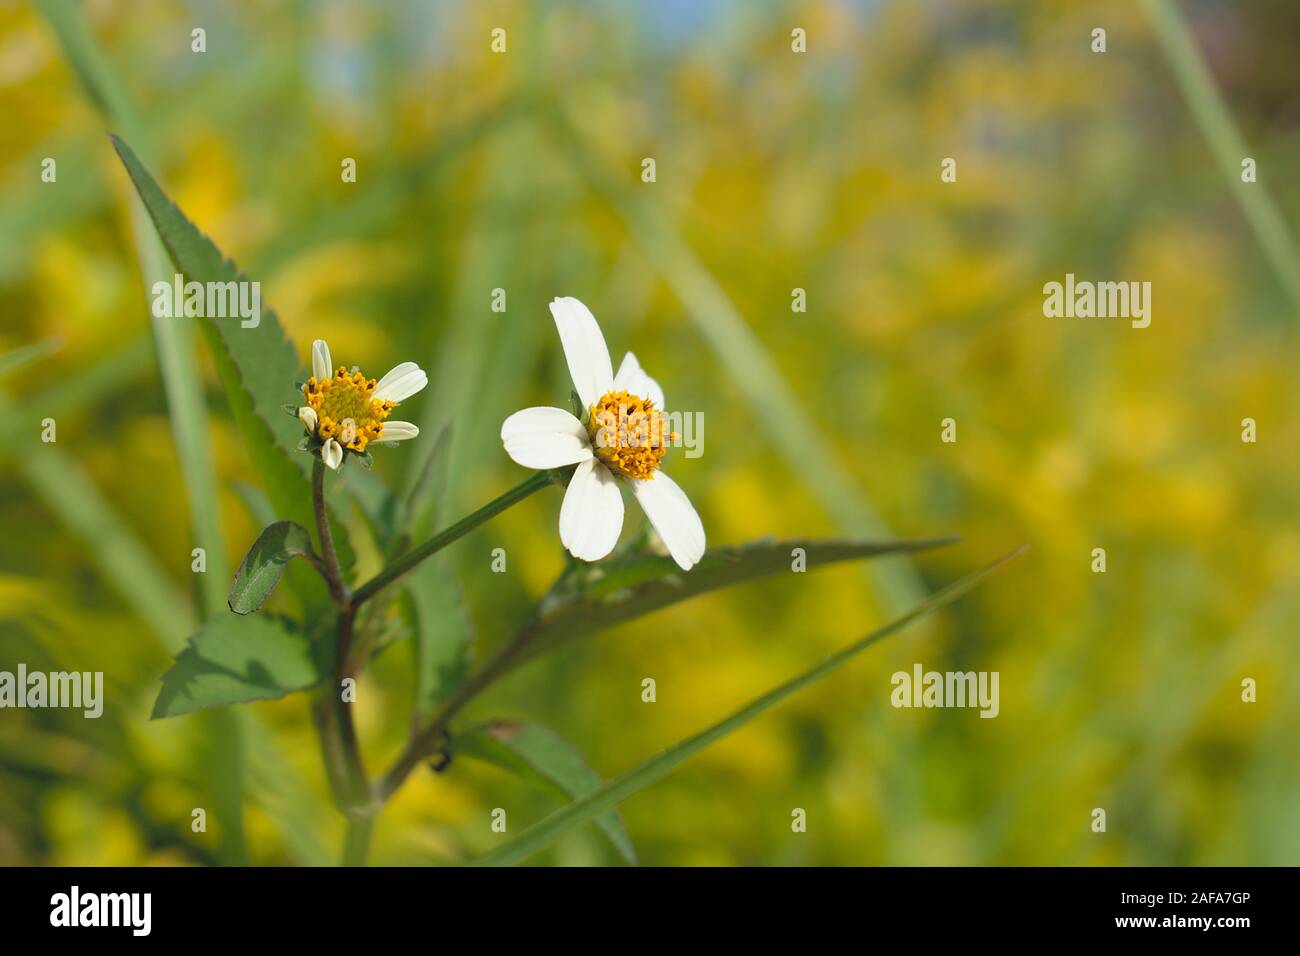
[262, 567]
[548, 761]
[257, 364]
[611, 794]
[442, 632]
[233, 660]
[594, 597]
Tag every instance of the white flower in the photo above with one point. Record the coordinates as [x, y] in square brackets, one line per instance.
[347, 411]
[622, 439]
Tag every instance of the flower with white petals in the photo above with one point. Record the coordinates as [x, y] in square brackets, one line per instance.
[622, 439]
[346, 411]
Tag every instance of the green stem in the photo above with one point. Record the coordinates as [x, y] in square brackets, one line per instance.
[356, 843]
[464, 526]
[333, 572]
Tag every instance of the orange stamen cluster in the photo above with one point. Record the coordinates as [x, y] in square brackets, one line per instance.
[627, 434]
[345, 410]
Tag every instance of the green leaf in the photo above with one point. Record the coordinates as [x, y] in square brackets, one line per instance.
[608, 796]
[593, 597]
[232, 660]
[262, 567]
[442, 632]
[257, 366]
[547, 760]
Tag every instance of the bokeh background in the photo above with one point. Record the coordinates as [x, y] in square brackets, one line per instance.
[774, 171]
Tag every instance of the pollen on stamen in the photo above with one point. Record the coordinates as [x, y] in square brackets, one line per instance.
[346, 409]
[627, 434]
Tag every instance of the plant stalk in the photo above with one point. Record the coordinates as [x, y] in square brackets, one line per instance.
[333, 572]
[464, 526]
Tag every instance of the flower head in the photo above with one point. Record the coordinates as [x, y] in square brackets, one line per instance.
[346, 411]
[622, 439]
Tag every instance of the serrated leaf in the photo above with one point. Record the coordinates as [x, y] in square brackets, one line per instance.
[609, 795]
[442, 632]
[262, 567]
[257, 366]
[232, 660]
[593, 597]
[548, 761]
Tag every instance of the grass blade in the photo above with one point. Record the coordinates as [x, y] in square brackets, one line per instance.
[541, 835]
[1225, 141]
[24, 355]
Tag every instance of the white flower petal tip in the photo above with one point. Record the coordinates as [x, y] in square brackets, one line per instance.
[321, 365]
[398, 431]
[307, 415]
[545, 438]
[674, 518]
[591, 516]
[584, 349]
[632, 378]
[332, 454]
[401, 382]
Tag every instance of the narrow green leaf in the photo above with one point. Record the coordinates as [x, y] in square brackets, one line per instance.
[256, 363]
[15, 359]
[542, 834]
[1211, 113]
[442, 632]
[594, 597]
[232, 660]
[61, 482]
[262, 567]
[547, 760]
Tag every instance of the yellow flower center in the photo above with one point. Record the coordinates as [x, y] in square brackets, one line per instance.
[627, 434]
[345, 410]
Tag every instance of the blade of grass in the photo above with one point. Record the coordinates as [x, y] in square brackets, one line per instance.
[24, 355]
[740, 352]
[188, 414]
[174, 339]
[1225, 141]
[542, 834]
[60, 481]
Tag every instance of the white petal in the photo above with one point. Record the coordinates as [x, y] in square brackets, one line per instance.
[307, 415]
[632, 378]
[320, 361]
[584, 349]
[545, 438]
[400, 383]
[332, 454]
[673, 516]
[398, 431]
[592, 514]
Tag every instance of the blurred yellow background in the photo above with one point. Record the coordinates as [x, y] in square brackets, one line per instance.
[774, 171]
